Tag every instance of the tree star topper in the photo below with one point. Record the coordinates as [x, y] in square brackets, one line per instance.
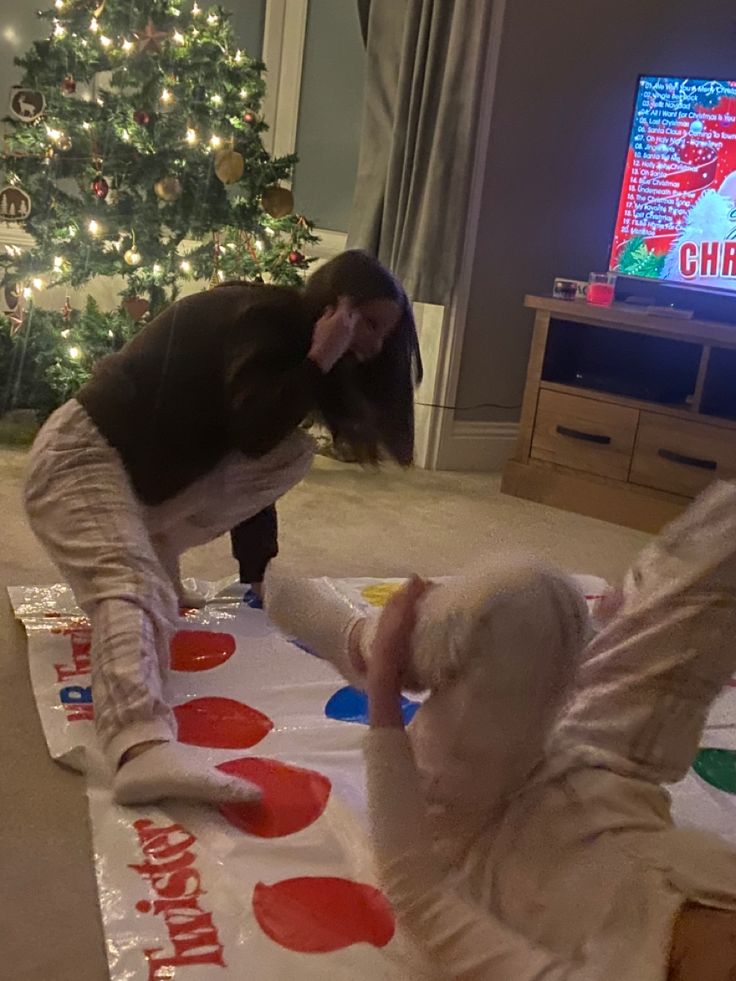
[150, 39]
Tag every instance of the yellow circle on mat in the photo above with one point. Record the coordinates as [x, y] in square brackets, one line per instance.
[380, 593]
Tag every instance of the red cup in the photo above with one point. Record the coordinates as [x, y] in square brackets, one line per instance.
[601, 289]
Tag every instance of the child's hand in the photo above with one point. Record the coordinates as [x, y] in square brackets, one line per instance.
[391, 649]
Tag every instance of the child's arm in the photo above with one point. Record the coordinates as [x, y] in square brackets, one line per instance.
[463, 941]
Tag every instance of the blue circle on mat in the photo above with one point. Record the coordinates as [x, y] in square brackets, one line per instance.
[350, 705]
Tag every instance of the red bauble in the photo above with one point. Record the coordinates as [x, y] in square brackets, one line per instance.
[68, 85]
[249, 117]
[296, 258]
[100, 187]
[141, 117]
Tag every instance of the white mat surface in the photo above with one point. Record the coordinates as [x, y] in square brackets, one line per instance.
[287, 891]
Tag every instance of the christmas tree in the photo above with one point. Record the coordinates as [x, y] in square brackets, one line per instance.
[133, 149]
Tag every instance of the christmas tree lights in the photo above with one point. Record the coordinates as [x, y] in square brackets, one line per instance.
[133, 152]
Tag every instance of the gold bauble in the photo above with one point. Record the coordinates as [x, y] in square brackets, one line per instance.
[229, 166]
[168, 188]
[132, 257]
[278, 202]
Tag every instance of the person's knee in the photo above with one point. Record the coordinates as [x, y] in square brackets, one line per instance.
[511, 613]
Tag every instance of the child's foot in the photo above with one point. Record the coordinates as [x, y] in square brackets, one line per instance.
[170, 770]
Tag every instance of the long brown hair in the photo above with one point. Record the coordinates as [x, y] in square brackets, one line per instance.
[369, 406]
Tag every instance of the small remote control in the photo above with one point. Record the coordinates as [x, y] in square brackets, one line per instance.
[677, 313]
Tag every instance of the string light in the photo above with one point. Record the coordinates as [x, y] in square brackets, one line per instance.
[215, 141]
[244, 93]
[178, 37]
[110, 334]
[186, 266]
[238, 56]
[269, 231]
[195, 10]
[53, 134]
[58, 262]
[85, 125]
[27, 293]
[59, 29]
[72, 231]
[191, 136]
[156, 269]
[105, 41]
[58, 4]
[125, 136]
[166, 97]
[216, 100]
[94, 26]
[38, 283]
[65, 333]
[259, 244]
[93, 227]
[211, 19]
[74, 353]
[127, 45]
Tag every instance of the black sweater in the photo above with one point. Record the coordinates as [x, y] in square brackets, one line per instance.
[220, 370]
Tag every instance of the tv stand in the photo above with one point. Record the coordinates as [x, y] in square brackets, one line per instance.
[626, 415]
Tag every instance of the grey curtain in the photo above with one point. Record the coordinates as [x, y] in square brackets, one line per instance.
[425, 62]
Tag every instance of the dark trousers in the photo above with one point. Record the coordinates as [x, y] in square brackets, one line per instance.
[254, 543]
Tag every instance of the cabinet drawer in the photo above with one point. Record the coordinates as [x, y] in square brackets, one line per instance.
[681, 456]
[581, 433]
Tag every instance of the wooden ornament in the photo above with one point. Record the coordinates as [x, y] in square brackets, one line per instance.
[229, 166]
[15, 204]
[168, 188]
[150, 38]
[26, 105]
[11, 296]
[135, 307]
[278, 202]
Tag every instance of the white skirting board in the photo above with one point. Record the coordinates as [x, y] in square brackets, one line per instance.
[477, 445]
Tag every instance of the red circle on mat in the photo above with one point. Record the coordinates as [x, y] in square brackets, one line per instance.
[319, 914]
[220, 723]
[200, 650]
[293, 798]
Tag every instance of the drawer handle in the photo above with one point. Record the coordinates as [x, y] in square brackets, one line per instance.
[687, 461]
[588, 437]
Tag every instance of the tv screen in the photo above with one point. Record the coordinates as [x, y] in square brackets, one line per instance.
[676, 220]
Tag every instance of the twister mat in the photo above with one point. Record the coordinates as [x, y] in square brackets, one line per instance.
[287, 889]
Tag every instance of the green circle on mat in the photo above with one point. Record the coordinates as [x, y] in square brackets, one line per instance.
[718, 768]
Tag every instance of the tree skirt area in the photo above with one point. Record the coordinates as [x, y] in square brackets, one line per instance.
[286, 888]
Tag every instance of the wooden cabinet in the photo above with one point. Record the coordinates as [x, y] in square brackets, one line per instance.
[681, 456]
[626, 416]
[582, 433]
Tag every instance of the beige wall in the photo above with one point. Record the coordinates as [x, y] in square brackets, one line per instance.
[564, 97]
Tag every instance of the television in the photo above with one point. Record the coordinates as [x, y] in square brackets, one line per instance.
[674, 242]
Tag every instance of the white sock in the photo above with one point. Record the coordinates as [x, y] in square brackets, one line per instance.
[318, 615]
[172, 770]
[190, 599]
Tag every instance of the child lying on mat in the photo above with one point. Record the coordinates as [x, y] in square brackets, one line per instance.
[522, 829]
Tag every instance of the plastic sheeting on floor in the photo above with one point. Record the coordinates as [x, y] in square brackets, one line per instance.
[286, 889]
